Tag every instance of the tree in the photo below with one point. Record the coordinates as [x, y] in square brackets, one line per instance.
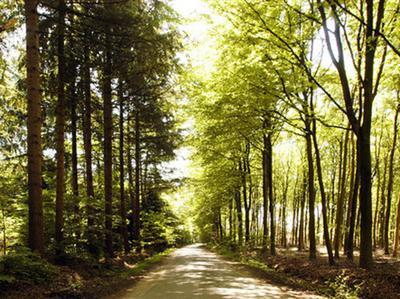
[60, 129]
[34, 124]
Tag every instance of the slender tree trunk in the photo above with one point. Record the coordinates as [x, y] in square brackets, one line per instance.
[220, 227]
[4, 229]
[87, 143]
[136, 207]
[250, 197]
[311, 195]
[294, 216]
[397, 230]
[340, 202]
[108, 132]
[390, 180]
[331, 209]
[265, 193]
[353, 216]
[378, 187]
[74, 128]
[130, 179]
[271, 193]
[230, 219]
[284, 206]
[242, 168]
[383, 205]
[239, 217]
[74, 153]
[122, 207]
[60, 130]
[349, 203]
[302, 218]
[323, 195]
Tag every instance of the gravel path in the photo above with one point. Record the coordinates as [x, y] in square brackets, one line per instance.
[194, 272]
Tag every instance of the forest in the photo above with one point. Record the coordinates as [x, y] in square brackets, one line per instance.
[267, 131]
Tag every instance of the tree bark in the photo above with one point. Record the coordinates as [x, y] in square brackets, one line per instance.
[87, 144]
[242, 168]
[136, 207]
[239, 217]
[122, 207]
[311, 195]
[130, 177]
[270, 192]
[340, 202]
[323, 194]
[265, 193]
[364, 154]
[74, 128]
[34, 127]
[108, 132]
[390, 180]
[383, 204]
[302, 220]
[397, 231]
[60, 131]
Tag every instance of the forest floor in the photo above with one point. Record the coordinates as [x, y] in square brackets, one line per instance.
[195, 272]
[344, 280]
[79, 278]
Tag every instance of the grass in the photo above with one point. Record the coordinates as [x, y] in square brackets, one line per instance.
[82, 280]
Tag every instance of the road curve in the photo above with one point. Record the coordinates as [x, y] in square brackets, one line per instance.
[194, 272]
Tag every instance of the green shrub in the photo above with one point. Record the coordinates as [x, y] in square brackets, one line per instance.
[343, 290]
[27, 267]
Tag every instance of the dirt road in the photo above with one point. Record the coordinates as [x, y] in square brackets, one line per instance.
[194, 272]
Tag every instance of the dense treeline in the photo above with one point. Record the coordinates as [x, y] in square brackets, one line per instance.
[296, 127]
[85, 131]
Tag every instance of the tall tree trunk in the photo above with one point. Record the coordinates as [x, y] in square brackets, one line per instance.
[34, 126]
[74, 127]
[74, 152]
[60, 130]
[130, 178]
[136, 207]
[390, 180]
[122, 207]
[250, 198]
[349, 201]
[265, 193]
[294, 215]
[352, 206]
[364, 154]
[87, 143]
[397, 230]
[302, 207]
[311, 194]
[230, 219]
[353, 216]
[242, 168]
[340, 202]
[108, 132]
[284, 206]
[364, 134]
[331, 209]
[271, 192]
[383, 204]
[378, 146]
[239, 217]
[323, 194]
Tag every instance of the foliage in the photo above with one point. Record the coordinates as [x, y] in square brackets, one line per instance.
[24, 266]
